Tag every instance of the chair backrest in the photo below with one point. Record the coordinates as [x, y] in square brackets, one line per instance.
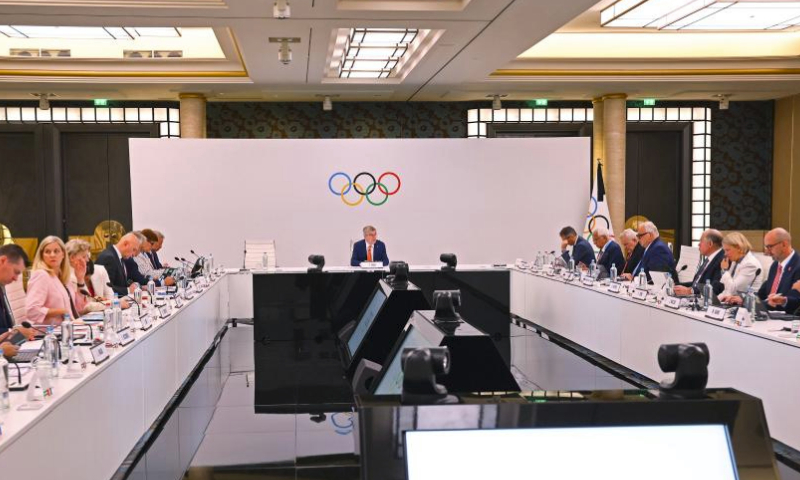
[16, 298]
[689, 256]
[766, 262]
[254, 251]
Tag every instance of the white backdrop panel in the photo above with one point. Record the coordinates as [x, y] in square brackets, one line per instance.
[487, 200]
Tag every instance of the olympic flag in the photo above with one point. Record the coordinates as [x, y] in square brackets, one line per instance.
[598, 214]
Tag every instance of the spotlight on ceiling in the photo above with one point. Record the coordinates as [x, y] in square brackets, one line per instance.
[497, 104]
[285, 53]
[44, 100]
[327, 104]
[724, 100]
[281, 9]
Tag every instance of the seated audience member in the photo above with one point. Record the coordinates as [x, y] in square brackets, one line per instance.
[610, 252]
[144, 262]
[710, 247]
[50, 295]
[12, 263]
[582, 251]
[95, 279]
[370, 249]
[784, 272]
[657, 256]
[633, 251]
[112, 259]
[154, 252]
[135, 277]
[740, 266]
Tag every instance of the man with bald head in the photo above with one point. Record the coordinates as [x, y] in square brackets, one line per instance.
[657, 256]
[112, 259]
[784, 272]
[711, 269]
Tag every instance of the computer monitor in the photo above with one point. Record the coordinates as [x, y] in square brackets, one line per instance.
[391, 381]
[365, 320]
[665, 452]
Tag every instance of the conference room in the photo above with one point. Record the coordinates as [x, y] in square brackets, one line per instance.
[399, 239]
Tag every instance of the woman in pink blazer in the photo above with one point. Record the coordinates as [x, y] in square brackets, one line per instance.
[50, 294]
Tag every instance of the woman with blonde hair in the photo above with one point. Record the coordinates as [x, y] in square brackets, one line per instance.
[93, 288]
[739, 266]
[50, 295]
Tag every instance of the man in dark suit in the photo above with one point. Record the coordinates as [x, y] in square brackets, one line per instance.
[610, 251]
[12, 263]
[154, 251]
[710, 247]
[370, 249]
[657, 256]
[777, 291]
[582, 251]
[633, 250]
[112, 259]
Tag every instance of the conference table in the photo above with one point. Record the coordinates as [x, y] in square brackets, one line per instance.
[761, 360]
[89, 425]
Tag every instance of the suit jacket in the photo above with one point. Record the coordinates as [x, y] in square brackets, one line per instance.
[134, 274]
[657, 258]
[109, 259]
[360, 253]
[741, 275]
[45, 292]
[713, 272]
[790, 275]
[582, 252]
[634, 259]
[6, 315]
[156, 261]
[612, 255]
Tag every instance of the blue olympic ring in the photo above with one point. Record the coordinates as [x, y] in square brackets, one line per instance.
[349, 183]
[594, 201]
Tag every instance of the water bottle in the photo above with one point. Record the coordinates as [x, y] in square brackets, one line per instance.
[642, 280]
[671, 286]
[612, 274]
[210, 263]
[51, 352]
[67, 332]
[264, 260]
[708, 291]
[593, 269]
[5, 395]
[117, 315]
[151, 290]
[571, 264]
[750, 301]
[108, 327]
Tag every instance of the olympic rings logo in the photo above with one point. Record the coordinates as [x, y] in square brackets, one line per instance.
[344, 185]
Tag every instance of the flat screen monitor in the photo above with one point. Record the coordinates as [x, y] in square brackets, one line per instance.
[367, 317]
[391, 382]
[598, 453]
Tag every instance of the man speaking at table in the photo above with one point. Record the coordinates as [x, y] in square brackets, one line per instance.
[582, 251]
[370, 249]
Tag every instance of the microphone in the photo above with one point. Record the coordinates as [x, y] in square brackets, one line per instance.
[684, 267]
[138, 307]
[182, 260]
[27, 324]
[758, 274]
[192, 252]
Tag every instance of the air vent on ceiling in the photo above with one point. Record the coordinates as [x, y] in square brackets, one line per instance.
[137, 54]
[168, 54]
[152, 54]
[44, 52]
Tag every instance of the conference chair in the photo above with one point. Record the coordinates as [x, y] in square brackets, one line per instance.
[254, 251]
[16, 298]
[766, 262]
[689, 256]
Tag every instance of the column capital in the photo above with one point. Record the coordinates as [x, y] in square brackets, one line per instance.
[614, 96]
[191, 95]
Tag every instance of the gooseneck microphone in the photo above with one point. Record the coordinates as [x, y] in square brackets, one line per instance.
[27, 324]
[758, 274]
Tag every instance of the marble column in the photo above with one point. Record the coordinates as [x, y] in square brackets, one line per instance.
[614, 129]
[597, 135]
[193, 115]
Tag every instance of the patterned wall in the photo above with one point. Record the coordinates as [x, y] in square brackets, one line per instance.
[741, 180]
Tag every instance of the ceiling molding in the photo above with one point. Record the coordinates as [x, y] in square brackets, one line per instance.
[664, 72]
[118, 3]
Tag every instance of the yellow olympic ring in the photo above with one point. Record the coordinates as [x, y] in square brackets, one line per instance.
[360, 197]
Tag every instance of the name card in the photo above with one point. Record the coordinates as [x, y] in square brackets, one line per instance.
[178, 302]
[99, 353]
[549, 271]
[615, 287]
[639, 294]
[125, 336]
[190, 287]
[163, 311]
[588, 281]
[146, 321]
[672, 302]
[716, 313]
[743, 318]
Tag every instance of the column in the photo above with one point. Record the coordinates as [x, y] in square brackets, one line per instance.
[597, 135]
[193, 115]
[786, 168]
[614, 116]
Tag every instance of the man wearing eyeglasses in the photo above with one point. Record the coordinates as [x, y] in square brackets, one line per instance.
[657, 256]
[777, 291]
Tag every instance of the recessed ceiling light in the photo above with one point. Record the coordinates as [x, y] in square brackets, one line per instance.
[374, 52]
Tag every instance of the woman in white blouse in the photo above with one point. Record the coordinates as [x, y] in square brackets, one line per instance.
[740, 266]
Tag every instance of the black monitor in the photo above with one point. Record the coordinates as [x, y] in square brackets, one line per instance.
[475, 363]
[379, 324]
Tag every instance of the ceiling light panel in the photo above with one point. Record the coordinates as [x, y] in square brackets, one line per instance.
[638, 13]
[374, 52]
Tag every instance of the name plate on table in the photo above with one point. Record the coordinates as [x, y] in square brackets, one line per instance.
[639, 294]
[178, 302]
[125, 336]
[672, 302]
[190, 288]
[716, 313]
[163, 311]
[615, 287]
[146, 321]
[549, 271]
[371, 264]
[588, 281]
[743, 318]
[99, 353]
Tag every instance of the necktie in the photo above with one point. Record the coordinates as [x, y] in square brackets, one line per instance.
[700, 271]
[777, 280]
[369, 253]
